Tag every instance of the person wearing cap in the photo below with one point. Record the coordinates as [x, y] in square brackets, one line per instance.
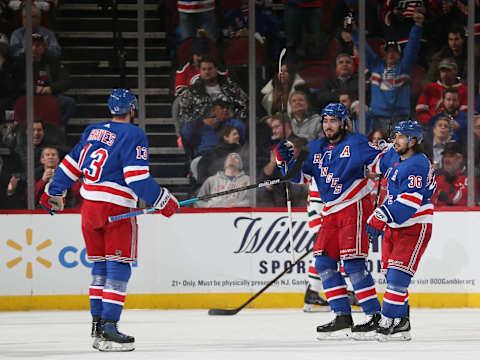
[231, 177]
[50, 78]
[431, 101]
[390, 88]
[17, 45]
[452, 187]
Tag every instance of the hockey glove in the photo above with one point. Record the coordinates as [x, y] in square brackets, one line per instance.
[52, 203]
[166, 203]
[283, 152]
[376, 224]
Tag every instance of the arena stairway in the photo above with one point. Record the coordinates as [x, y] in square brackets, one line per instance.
[85, 34]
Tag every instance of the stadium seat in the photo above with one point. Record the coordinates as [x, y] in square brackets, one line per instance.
[184, 51]
[236, 52]
[46, 108]
[316, 73]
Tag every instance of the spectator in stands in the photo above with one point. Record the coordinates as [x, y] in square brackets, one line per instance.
[348, 9]
[213, 160]
[231, 177]
[390, 88]
[17, 45]
[8, 86]
[305, 123]
[10, 190]
[376, 136]
[431, 99]
[452, 187]
[41, 138]
[50, 160]
[456, 48]
[281, 87]
[296, 15]
[351, 103]
[457, 119]
[50, 77]
[346, 81]
[441, 136]
[197, 99]
[194, 15]
[190, 72]
[4, 17]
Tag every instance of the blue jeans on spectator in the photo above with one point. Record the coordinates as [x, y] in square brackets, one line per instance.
[188, 24]
[67, 107]
[386, 123]
[295, 17]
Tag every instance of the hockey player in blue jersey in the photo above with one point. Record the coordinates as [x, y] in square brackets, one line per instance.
[112, 159]
[337, 163]
[407, 215]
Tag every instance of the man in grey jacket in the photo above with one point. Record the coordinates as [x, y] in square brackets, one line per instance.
[231, 177]
[304, 123]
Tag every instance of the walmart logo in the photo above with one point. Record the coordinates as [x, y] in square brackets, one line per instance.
[15, 261]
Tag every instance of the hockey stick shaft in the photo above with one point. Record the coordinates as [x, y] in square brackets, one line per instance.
[294, 171]
[258, 293]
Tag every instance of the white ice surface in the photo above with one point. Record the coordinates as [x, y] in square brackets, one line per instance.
[251, 334]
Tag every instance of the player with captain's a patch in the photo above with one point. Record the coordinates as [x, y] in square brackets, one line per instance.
[406, 218]
[337, 162]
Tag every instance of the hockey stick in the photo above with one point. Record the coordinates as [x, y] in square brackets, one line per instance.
[287, 186]
[257, 294]
[294, 171]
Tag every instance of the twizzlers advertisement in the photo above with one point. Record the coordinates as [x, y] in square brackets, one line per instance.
[215, 252]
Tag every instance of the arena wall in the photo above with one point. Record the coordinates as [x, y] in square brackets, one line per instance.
[215, 259]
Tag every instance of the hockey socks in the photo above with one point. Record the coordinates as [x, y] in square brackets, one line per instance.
[115, 290]
[363, 285]
[99, 272]
[395, 300]
[334, 285]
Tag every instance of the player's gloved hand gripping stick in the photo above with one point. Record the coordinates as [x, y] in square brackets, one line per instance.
[294, 170]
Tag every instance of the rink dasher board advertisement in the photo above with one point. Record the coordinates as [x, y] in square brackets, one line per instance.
[214, 253]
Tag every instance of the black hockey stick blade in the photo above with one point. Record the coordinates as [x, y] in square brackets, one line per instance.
[258, 293]
[223, 311]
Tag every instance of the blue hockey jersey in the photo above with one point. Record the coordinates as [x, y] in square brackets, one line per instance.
[339, 170]
[112, 158]
[411, 184]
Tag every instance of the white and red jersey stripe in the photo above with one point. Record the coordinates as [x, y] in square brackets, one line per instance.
[135, 173]
[357, 191]
[423, 215]
[195, 6]
[109, 191]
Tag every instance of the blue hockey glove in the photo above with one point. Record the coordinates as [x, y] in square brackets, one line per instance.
[283, 152]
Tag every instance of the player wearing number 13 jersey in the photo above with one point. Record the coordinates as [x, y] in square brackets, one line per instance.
[112, 158]
[406, 217]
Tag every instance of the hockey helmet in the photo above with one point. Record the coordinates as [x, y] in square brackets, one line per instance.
[410, 128]
[336, 109]
[121, 101]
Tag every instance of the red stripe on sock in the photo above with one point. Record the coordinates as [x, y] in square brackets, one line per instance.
[95, 292]
[337, 292]
[362, 294]
[394, 297]
[113, 296]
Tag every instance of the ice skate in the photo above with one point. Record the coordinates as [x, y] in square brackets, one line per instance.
[114, 340]
[337, 329]
[312, 298]
[394, 329]
[367, 330]
[96, 331]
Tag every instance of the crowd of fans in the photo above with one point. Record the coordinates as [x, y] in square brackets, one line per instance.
[416, 59]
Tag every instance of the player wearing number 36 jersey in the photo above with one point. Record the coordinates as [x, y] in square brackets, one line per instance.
[406, 217]
[112, 158]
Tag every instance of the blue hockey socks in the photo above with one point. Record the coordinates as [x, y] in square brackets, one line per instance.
[333, 284]
[115, 289]
[363, 285]
[99, 272]
[395, 301]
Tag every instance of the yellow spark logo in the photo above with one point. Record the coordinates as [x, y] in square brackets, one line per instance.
[39, 259]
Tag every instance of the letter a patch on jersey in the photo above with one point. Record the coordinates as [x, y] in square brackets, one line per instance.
[345, 152]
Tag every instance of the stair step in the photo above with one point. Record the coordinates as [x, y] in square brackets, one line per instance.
[105, 24]
[109, 34]
[88, 121]
[112, 81]
[106, 63]
[98, 53]
[150, 91]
